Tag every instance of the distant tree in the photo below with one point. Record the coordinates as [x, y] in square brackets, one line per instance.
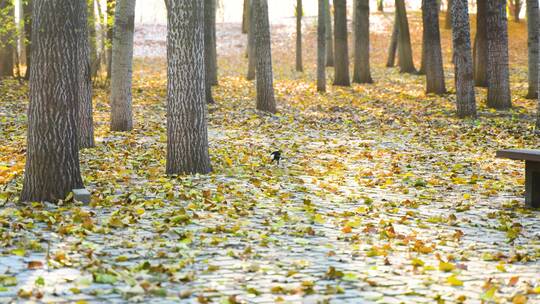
[498, 75]
[380, 5]
[362, 73]
[263, 52]
[86, 121]
[299, 13]
[245, 16]
[321, 46]
[111, 4]
[392, 49]
[7, 37]
[209, 46]
[432, 48]
[95, 61]
[52, 157]
[515, 9]
[533, 24]
[341, 54]
[448, 17]
[329, 36]
[27, 19]
[481, 45]
[251, 45]
[461, 37]
[122, 66]
[187, 134]
[406, 64]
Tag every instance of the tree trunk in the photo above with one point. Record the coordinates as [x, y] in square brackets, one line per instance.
[329, 36]
[187, 134]
[94, 56]
[533, 23]
[448, 17]
[380, 6]
[52, 158]
[422, 69]
[110, 33]
[461, 37]
[498, 75]
[362, 73]
[341, 55]
[7, 38]
[245, 17]
[263, 52]
[515, 9]
[433, 55]
[122, 66]
[251, 45]
[393, 43]
[27, 15]
[209, 43]
[299, 14]
[86, 121]
[406, 64]
[480, 46]
[321, 46]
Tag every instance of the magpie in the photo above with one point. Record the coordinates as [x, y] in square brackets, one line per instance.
[276, 156]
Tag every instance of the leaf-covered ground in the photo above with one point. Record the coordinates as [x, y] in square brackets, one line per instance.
[383, 195]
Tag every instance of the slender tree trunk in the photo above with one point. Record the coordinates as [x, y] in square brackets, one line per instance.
[122, 66]
[251, 45]
[187, 134]
[341, 55]
[86, 121]
[94, 56]
[406, 64]
[422, 70]
[263, 50]
[321, 46]
[52, 159]
[7, 38]
[329, 36]
[299, 14]
[448, 17]
[392, 49]
[465, 96]
[533, 24]
[380, 5]
[209, 38]
[362, 72]
[480, 45]
[27, 15]
[515, 8]
[433, 55]
[110, 33]
[245, 17]
[498, 74]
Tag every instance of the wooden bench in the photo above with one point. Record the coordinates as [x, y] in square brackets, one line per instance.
[532, 173]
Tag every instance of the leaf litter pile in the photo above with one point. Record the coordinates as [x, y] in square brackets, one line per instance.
[382, 195]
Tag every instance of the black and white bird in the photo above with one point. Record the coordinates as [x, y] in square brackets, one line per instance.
[276, 156]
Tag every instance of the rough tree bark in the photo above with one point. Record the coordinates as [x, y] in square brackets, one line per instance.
[461, 38]
[498, 75]
[209, 43]
[392, 49]
[27, 15]
[329, 35]
[321, 46]
[52, 160]
[480, 45]
[432, 55]
[251, 45]
[122, 66]
[263, 52]
[448, 17]
[341, 51]
[362, 72]
[533, 22]
[86, 121]
[7, 38]
[406, 64]
[187, 134]
[299, 15]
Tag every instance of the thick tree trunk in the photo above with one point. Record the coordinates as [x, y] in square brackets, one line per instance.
[209, 39]
[52, 160]
[110, 33]
[406, 64]
[27, 15]
[362, 72]
[480, 45]
[380, 5]
[448, 17]
[341, 54]
[263, 50]
[251, 45]
[187, 134]
[533, 24]
[122, 66]
[392, 49]
[329, 35]
[432, 54]
[86, 121]
[321, 46]
[299, 13]
[7, 38]
[465, 96]
[498, 74]
[245, 17]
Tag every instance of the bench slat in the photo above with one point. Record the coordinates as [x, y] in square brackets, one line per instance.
[517, 154]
